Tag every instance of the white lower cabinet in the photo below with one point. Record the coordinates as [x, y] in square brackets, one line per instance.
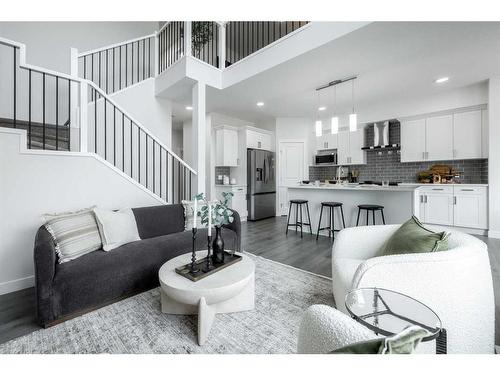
[238, 201]
[459, 206]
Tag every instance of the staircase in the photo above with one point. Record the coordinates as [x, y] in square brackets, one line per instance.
[39, 99]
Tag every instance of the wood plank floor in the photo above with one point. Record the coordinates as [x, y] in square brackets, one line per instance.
[265, 238]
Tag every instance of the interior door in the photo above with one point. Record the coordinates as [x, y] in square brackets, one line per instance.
[291, 169]
[439, 138]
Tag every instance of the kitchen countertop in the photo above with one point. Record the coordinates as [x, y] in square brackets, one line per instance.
[355, 187]
[229, 186]
[424, 184]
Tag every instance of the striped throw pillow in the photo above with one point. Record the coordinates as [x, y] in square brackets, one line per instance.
[74, 233]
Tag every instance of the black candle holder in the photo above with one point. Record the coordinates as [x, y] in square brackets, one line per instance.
[208, 262]
[194, 268]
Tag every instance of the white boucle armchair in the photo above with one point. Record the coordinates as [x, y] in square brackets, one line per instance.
[456, 284]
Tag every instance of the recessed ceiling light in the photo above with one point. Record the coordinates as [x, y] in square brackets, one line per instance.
[260, 104]
[322, 108]
[442, 79]
[189, 108]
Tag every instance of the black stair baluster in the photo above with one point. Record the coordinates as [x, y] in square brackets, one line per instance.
[107, 73]
[105, 130]
[95, 119]
[113, 74]
[147, 157]
[43, 111]
[29, 109]
[166, 175]
[139, 152]
[131, 152]
[69, 114]
[154, 169]
[57, 113]
[143, 59]
[114, 136]
[15, 87]
[138, 61]
[123, 142]
[126, 65]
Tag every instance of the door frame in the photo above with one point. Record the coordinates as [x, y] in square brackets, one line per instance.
[278, 167]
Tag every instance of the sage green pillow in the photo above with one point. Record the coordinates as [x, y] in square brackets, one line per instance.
[363, 347]
[412, 238]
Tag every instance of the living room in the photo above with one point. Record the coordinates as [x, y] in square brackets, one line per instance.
[293, 185]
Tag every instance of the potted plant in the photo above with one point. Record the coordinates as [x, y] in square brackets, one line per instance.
[221, 215]
[201, 32]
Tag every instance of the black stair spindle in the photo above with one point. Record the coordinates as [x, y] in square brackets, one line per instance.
[113, 74]
[69, 114]
[161, 174]
[107, 73]
[105, 130]
[139, 152]
[92, 75]
[29, 108]
[147, 157]
[43, 111]
[15, 87]
[57, 113]
[138, 62]
[143, 58]
[154, 169]
[95, 119]
[114, 136]
[166, 175]
[123, 142]
[126, 65]
[131, 152]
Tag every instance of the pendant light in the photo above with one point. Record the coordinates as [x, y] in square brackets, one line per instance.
[318, 124]
[335, 119]
[353, 117]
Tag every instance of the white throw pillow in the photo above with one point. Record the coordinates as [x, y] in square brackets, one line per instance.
[116, 227]
[74, 233]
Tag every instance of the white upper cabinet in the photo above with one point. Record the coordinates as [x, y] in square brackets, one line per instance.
[356, 141]
[484, 133]
[349, 147]
[413, 140]
[226, 150]
[439, 138]
[467, 135]
[327, 142]
[461, 135]
[258, 140]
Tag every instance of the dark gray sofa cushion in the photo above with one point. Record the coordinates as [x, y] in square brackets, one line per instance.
[157, 221]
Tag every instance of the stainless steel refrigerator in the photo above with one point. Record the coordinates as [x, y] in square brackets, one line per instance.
[261, 181]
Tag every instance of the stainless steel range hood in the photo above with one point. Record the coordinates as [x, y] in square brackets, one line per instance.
[381, 136]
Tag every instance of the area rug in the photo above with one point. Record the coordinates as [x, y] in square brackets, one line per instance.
[136, 325]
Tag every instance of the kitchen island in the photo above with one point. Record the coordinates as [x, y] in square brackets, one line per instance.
[398, 202]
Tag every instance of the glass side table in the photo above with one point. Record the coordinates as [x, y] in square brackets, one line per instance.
[387, 312]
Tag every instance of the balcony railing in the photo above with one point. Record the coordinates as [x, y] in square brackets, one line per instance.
[246, 37]
[170, 41]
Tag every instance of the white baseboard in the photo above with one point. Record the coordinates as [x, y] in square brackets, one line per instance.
[18, 284]
[494, 233]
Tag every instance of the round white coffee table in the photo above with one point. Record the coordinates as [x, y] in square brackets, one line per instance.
[230, 290]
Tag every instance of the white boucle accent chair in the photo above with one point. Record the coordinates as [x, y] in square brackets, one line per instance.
[324, 329]
[456, 284]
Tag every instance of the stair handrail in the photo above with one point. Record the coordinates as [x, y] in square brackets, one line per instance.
[24, 65]
[116, 45]
[137, 123]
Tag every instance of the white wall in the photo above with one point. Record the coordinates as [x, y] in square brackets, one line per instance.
[152, 112]
[32, 184]
[48, 43]
[177, 142]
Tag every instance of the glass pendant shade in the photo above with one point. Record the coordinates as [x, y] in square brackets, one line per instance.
[335, 125]
[319, 130]
[353, 122]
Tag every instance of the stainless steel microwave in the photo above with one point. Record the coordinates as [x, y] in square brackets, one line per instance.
[326, 158]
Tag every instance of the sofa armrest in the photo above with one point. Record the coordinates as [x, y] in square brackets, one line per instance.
[361, 242]
[45, 263]
[324, 329]
[235, 226]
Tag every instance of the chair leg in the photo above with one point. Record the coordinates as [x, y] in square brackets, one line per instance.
[329, 222]
[342, 214]
[296, 218]
[301, 220]
[332, 210]
[288, 220]
[319, 223]
[309, 219]
[367, 216]
[373, 217]
[357, 220]
[383, 218]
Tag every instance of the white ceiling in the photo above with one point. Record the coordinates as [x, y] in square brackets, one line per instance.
[393, 61]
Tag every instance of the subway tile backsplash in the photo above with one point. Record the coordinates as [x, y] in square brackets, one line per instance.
[386, 165]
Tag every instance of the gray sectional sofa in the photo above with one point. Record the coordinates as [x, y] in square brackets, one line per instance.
[99, 278]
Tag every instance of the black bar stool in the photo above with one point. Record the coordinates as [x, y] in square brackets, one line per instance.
[298, 207]
[331, 228]
[372, 208]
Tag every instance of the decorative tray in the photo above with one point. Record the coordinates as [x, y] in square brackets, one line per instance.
[201, 265]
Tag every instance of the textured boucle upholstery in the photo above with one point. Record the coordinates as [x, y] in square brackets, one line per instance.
[456, 283]
[324, 329]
